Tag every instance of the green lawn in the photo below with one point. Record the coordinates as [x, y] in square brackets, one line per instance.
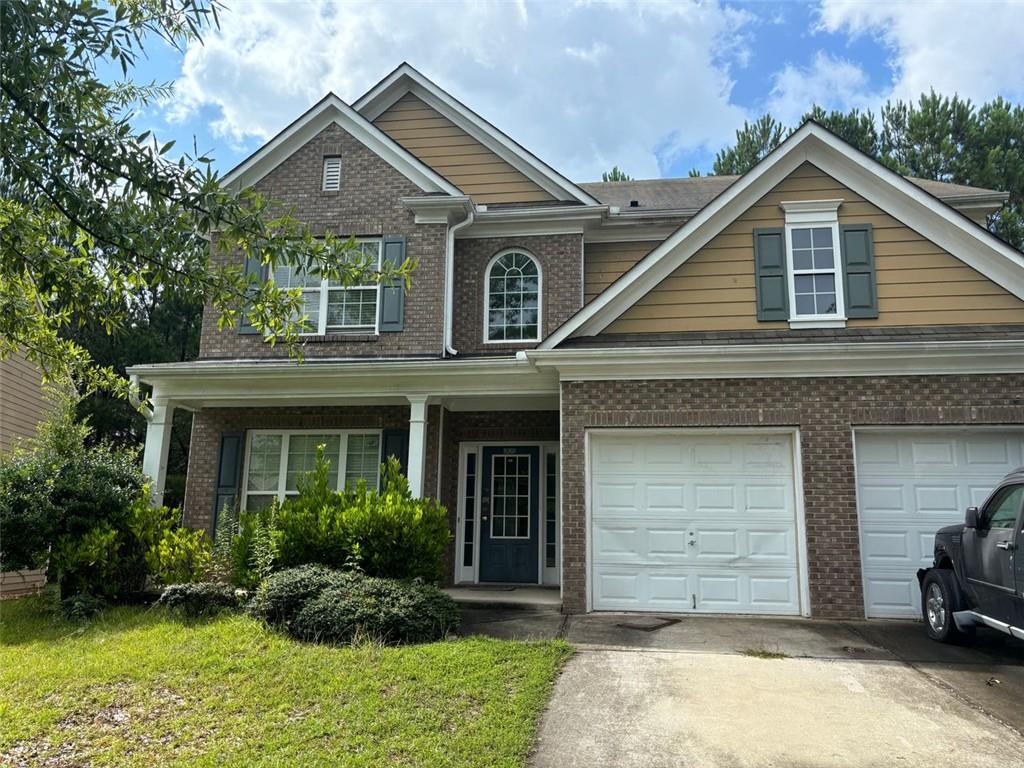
[141, 688]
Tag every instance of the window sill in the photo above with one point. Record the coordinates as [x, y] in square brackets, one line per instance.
[322, 338]
[833, 322]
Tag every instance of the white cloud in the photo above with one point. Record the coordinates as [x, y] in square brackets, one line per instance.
[829, 82]
[971, 48]
[584, 86]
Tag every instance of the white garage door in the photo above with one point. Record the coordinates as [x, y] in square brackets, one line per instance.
[910, 483]
[702, 523]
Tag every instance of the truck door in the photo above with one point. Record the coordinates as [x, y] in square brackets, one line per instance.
[989, 553]
[1018, 568]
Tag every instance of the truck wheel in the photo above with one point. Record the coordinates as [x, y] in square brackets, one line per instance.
[940, 599]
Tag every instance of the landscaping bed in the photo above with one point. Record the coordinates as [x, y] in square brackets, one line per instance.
[138, 686]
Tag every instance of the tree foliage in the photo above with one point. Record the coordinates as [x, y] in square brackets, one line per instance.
[938, 137]
[95, 215]
[616, 175]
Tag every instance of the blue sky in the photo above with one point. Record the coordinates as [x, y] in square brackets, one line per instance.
[655, 88]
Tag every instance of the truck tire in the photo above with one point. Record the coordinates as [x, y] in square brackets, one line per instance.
[940, 599]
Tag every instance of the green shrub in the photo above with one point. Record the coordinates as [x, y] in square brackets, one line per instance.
[82, 606]
[387, 533]
[254, 550]
[199, 599]
[86, 508]
[383, 610]
[282, 595]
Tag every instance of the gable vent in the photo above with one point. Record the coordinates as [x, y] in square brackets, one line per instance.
[332, 174]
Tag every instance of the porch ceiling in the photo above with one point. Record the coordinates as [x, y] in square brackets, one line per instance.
[506, 384]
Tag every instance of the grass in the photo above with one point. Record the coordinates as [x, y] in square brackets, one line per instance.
[763, 653]
[136, 687]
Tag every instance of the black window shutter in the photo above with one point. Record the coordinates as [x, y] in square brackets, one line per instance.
[229, 472]
[858, 255]
[770, 274]
[395, 442]
[392, 293]
[253, 266]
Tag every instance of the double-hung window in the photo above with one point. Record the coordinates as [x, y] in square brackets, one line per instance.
[276, 461]
[330, 307]
[815, 276]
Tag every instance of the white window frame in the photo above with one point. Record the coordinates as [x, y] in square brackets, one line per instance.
[282, 472]
[324, 290]
[811, 214]
[487, 297]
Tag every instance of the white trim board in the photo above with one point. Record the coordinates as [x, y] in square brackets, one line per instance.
[406, 79]
[332, 109]
[900, 198]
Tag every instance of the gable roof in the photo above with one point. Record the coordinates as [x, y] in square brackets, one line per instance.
[690, 194]
[406, 79]
[812, 143]
[331, 109]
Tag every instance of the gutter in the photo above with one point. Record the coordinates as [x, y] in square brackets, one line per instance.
[449, 284]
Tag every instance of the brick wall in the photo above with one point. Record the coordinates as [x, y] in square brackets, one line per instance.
[368, 204]
[561, 263]
[484, 426]
[208, 425]
[825, 410]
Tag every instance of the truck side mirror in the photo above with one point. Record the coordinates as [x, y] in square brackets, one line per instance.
[971, 518]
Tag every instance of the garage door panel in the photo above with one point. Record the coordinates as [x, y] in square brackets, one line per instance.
[731, 496]
[910, 483]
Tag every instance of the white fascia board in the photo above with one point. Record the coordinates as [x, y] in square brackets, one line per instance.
[534, 221]
[898, 197]
[244, 382]
[332, 109]
[406, 79]
[794, 360]
[437, 209]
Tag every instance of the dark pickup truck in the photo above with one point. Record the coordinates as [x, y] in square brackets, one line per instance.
[978, 575]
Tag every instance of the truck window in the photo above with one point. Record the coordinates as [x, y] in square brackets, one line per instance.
[1003, 511]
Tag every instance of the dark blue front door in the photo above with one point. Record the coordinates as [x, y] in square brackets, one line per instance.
[509, 532]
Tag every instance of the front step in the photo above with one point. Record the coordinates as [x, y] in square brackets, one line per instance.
[521, 598]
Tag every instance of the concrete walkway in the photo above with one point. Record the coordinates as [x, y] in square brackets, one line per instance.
[736, 692]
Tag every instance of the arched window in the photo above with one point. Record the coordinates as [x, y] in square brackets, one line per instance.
[512, 295]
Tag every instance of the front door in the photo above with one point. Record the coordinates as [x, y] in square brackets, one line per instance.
[989, 553]
[509, 532]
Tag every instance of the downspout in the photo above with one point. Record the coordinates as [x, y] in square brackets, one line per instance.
[449, 274]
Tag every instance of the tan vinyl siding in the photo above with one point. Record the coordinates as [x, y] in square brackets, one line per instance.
[604, 263]
[918, 282]
[22, 404]
[456, 155]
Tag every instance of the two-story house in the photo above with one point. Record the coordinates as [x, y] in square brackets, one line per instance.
[757, 395]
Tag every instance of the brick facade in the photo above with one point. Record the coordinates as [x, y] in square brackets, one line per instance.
[368, 204]
[208, 426]
[825, 410]
[561, 264]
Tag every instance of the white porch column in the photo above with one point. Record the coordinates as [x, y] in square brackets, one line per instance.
[417, 443]
[158, 442]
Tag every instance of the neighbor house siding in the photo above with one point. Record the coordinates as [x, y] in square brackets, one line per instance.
[918, 282]
[369, 205]
[22, 401]
[456, 155]
[604, 263]
[825, 410]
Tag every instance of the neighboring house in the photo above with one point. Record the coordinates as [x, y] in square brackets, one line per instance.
[23, 402]
[755, 395]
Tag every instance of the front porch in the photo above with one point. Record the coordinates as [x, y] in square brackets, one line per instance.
[486, 446]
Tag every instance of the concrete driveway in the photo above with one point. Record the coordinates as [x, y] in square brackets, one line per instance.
[710, 691]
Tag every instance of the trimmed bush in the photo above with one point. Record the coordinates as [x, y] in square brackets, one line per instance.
[82, 606]
[387, 533]
[200, 599]
[384, 610]
[283, 594]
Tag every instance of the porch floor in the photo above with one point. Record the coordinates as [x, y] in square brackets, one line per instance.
[536, 598]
